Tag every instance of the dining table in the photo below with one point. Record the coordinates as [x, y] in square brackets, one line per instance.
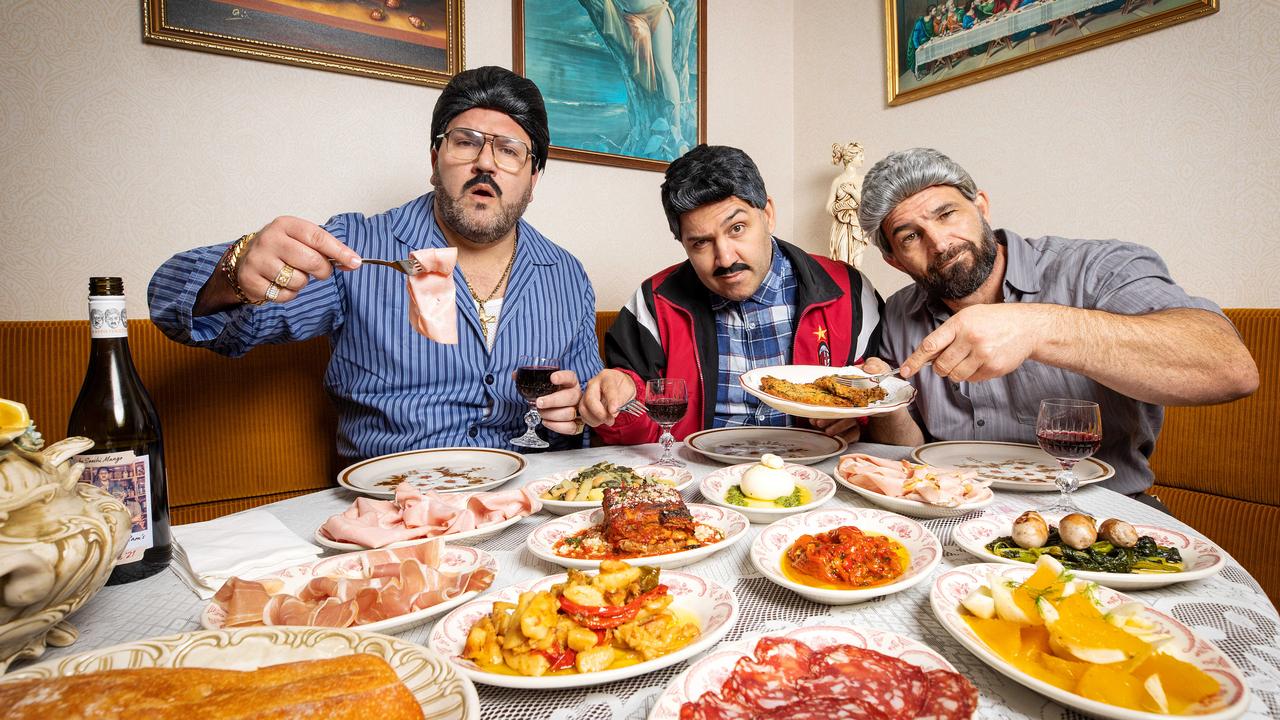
[1229, 608]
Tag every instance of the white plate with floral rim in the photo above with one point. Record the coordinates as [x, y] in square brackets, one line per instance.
[443, 693]
[542, 541]
[818, 484]
[679, 478]
[735, 444]
[456, 560]
[1200, 558]
[954, 585]
[708, 673]
[439, 469]
[468, 536]
[900, 392]
[924, 552]
[715, 609]
[1008, 465]
[918, 508]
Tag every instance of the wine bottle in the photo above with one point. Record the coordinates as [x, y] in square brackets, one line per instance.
[127, 458]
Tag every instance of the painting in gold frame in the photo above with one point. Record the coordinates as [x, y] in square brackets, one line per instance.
[624, 80]
[933, 46]
[413, 41]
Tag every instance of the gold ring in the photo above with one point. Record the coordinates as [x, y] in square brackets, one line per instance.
[578, 426]
[284, 276]
[273, 292]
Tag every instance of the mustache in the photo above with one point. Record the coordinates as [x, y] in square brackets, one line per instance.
[736, 267]
[483, 179]
[948, 256]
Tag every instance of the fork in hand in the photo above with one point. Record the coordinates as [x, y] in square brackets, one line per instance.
[633, 407]
[408, 266]
[868, 381]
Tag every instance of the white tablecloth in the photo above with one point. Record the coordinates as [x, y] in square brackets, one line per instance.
[1229, 609]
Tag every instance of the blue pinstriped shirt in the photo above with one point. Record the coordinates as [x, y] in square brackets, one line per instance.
[394, 389]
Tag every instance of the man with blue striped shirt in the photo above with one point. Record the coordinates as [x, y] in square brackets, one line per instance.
[520, 294]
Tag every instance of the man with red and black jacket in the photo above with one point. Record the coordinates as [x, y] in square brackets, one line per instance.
[743, 299]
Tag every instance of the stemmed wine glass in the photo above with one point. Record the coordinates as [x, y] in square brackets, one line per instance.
[667, 400]
[1069, 430]
[533, 380]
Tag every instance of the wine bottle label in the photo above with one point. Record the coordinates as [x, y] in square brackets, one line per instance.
[126, 477]
[107, 317]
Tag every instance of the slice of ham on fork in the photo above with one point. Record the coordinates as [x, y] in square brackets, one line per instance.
[433, 306]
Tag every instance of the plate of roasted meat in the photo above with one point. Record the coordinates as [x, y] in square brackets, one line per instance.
[649, 523]
[818, 392]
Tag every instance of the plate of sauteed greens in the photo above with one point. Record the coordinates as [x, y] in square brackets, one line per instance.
[1112, 552]
[583, 489]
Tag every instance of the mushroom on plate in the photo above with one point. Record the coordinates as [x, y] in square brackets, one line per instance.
[1118, 533]
[1078, 531]
[1030, 530]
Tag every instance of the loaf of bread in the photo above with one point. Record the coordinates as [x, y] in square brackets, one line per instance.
[351, 686]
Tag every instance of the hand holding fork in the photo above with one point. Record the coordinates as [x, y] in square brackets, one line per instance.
[606, 396]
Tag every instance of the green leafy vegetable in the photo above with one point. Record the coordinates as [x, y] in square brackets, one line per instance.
[1102, 556]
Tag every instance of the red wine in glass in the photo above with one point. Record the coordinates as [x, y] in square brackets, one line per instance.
[667, 412]
[534, 381]
[1069, 444]
[1070, 430]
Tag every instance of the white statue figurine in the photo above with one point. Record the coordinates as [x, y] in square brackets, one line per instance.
[847, 242]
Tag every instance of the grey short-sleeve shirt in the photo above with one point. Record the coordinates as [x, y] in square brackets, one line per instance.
[1116, 277]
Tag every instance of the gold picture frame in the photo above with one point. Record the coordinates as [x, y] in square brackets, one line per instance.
[924, 58]
[411, 41]
[605, 104]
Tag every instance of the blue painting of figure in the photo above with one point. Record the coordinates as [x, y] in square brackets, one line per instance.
[620, 77]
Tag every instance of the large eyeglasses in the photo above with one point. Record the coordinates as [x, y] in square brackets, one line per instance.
[465, 145]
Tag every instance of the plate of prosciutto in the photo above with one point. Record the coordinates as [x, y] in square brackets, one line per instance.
[414, 516]
[920, 491]
[384, 590]
[439, 469]
[820, 671]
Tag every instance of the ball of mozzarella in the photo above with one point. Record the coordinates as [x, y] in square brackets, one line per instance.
[767, 480]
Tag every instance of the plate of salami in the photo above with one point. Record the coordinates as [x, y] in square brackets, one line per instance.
[819, 671]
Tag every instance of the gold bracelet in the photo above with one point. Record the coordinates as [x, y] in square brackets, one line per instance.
[229, 268]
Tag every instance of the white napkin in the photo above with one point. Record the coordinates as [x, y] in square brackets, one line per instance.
[247, 544]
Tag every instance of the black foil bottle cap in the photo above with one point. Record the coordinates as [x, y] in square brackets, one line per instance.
[99, 286]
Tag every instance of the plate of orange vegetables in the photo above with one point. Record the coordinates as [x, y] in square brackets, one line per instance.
[1086, 646]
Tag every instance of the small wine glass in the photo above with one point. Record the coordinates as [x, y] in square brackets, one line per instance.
[533, 380]
[1070, 431]
[667, 400]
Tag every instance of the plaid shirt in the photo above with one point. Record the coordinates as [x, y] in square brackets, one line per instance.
[754, 333]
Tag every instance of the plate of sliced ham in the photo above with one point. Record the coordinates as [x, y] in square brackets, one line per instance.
[820, 671]
[920, 491]
[384, 590]
[414, 516]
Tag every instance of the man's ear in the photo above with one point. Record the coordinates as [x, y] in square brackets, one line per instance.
[893, 262]
[435, 174]
[984, 205]
[769, 214]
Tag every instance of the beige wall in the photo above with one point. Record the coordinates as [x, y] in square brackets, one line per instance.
[1168, 139]
[115, 154]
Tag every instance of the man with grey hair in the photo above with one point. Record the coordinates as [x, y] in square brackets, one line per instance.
[1007, 321]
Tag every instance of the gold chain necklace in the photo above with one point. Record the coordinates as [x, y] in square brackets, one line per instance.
[485, 317]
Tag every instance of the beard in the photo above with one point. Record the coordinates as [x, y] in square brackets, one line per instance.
[962, 279]
[479, 229]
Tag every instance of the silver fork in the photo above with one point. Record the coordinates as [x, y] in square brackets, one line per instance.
[408, 266]
[634, 407]
[864, 382]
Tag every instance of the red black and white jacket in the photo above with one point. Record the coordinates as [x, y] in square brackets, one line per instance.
[668, 329]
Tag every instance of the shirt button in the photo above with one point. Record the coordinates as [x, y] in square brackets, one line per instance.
[488, 379]
[980, 423]
[474, 431]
